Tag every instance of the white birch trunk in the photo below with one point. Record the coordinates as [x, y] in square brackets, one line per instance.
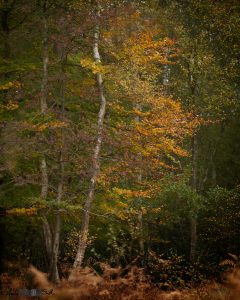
[82, 244]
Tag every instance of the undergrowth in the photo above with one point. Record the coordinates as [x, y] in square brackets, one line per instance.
[121, 284]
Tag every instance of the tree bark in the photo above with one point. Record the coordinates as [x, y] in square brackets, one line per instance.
[167, 70]
[193, 239]
[82, 244]
[6, 50]
[44, 85]
[44, 178]
[6, 31]
[53, 270]
[194, 179]
[48, 237]
[44, 192]
[140, 214]
[141, 236]
[193, 219]
[54, 274]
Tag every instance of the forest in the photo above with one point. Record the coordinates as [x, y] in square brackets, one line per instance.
[120, 149]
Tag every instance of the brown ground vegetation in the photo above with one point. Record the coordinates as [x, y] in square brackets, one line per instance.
[86, 284]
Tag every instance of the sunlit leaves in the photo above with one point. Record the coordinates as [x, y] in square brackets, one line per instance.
[43, 126]
[9, 85]
[8, 107]
[130, 194]
[22, 211]
[92, 65]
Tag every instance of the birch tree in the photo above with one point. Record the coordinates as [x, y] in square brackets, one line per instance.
[43, 107]
[83, 235]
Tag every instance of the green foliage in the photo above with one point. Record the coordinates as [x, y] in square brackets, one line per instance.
[181, 200]
[219, 221]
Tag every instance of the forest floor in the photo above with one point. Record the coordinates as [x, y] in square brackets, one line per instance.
[85, 284]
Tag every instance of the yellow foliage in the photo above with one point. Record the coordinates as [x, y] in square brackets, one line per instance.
[44, 126]
[129, 194]
[142, 49]
[92, 65]
[9, 85]
[22, 211]
[8, 107]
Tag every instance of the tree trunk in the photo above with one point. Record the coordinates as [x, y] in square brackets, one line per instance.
[44, 191]
[48, 238]
[44, 178]
[47, 235]
[140, 214]
[194, 179]
[193, 220]
[141, 236]
[44, 89]
[6, 31]
[53, 270]
[167, 70]
[82, 244]
[214, 174]
[193, 239]
[54, 274]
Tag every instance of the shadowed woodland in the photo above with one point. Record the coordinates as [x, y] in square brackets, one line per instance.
[119, 153]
